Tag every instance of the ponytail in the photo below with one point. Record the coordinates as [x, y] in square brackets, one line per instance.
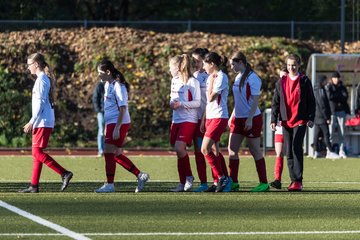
[105, 65]
[184, 65]
[240, 57]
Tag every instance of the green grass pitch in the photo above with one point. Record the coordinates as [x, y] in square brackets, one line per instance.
[328, 208]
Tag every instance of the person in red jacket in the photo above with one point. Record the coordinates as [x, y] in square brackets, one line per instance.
[293, 104]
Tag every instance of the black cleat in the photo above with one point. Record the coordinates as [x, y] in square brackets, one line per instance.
[66, 177]
[223, 181]
[30, 189]
[212, 188]
[276, 184]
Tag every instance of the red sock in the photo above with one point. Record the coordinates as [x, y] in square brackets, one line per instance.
[127, 164]
[215, 164]
[39, 154]
[201, 166]
[216, 179]
[261, 170]
[110, 167]
[234, 169]
[36, 172]
[186, 165]
[223, 164]
[181, 170]
[279, 164]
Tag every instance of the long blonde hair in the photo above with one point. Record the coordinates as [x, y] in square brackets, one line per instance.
[184, 65]
[44, 66]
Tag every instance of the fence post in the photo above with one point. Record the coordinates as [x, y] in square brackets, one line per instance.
[292, 29]
[189, 26]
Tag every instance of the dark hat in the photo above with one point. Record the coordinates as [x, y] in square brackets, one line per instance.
[335, 75]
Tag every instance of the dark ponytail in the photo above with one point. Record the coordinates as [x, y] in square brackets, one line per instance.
[240, 57]
[105, 65]
[213, 57]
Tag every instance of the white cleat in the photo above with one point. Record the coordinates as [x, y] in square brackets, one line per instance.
[188, 183]
[342, 154]
[179, 188]
[142, 178]
[106, 188]
[332, 155]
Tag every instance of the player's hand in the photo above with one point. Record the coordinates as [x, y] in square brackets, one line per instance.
[248, 124]
[116, 133]
[28, 128]
[273, 126]
[202, 126]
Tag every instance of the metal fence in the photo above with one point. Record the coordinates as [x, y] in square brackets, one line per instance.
[290, 29]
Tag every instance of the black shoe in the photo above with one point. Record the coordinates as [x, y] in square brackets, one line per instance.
[223, 181]
[212, 188]
[30, 189]
[66, 177]
[276, 184]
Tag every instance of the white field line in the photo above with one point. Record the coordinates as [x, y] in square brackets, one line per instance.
[43, 222]
[193, 233]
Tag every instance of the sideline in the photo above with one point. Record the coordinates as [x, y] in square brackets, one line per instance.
[43, 222]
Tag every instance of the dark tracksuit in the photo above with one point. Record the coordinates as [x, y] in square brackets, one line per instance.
[322, 115]
[294, 137]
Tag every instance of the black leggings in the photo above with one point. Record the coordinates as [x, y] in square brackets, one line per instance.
[324, 128]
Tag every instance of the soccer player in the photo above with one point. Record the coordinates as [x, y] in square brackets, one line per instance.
[214, 120]
[246, 121]
[294, 105]
[42, 122]
[117, 124]
[185, 98]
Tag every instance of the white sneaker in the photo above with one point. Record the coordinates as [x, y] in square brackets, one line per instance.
[316, 155]
[141, 179]
[188, 183]
[106, 188]
[332, 155]
[342, 154]
[179, 188]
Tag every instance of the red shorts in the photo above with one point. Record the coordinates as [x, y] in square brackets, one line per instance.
[215, 127]
[109, 129]
[182, 132]
[40, 137]
[238, 124]
[279, 138]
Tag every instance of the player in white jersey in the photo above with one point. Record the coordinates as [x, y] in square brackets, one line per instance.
[279, 148]
[42, 122]
[185, 98]
[201, 75]
[246, 121]
[215, 118]
[117, 124]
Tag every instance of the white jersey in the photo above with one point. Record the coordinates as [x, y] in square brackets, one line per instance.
[42, 111]
[201, 77]
[189, 96]
[218, 107]
[115, 96]
[243, 101]
[278, 129]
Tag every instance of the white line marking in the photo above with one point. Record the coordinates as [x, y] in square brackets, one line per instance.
[43, 222]
[191, 234]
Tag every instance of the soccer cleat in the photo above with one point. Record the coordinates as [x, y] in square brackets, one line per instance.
[106, 188]
[66, 177]
[316, 155]
[332, 155]
[202, 188]
[228, 185]
[223, 180]
[235, 187]
[30, 189]
[212, 188]
[295, 187]
[179, 188]
[141, 179]
[262, 187]
[276, 184]
[342, 154]
[188, 183]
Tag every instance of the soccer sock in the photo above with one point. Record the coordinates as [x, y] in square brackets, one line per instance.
[127, 164]
[234, 169]
[36, 172]
[186, 165]
[110, 167]
[261, 170]
[181, 170]
[279, 164]
[223, 164]
[201, 166]
[49, 161]
[215, 164]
